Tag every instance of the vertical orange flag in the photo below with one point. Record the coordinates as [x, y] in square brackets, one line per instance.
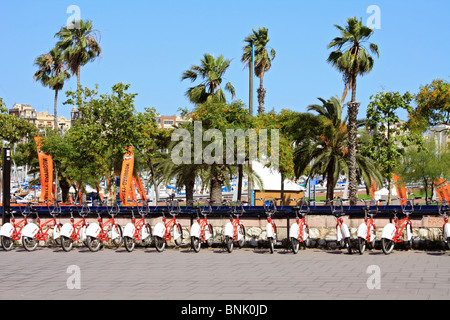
[373, 188]
[442, 189]
[400, 187]
[141, 189]
[46, 172]
[126, 176]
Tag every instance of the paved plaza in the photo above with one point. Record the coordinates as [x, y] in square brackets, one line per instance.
[245, 274]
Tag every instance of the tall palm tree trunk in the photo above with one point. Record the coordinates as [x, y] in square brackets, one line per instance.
[56, 110]
[190, 192]
[261, 95]
[216, 186]
[55, 124]
[352, 146]
[78, 77]
[330, 180]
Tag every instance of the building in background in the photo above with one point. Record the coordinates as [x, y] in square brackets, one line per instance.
[24, 111]
[169, 122]
[40, 120]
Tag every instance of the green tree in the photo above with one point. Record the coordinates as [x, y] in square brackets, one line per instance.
[225, 117]
[52, 73]
[321, 146]
[387, 132]
[433, 104]
[109, 125]
[151, 143]
[79, 45]
[212, 71]
[351, 58]
[425, 165]
[263, 60]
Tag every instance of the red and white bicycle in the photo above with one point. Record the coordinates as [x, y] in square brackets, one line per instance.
[234, 230]
[399, 231]
[367, 232]
[12, 231]
[33, 233]
[137, 230]
[74, 231]
[97, 233]
[167, 230]
[270, 208]
[342, 231]
[201, 230]
[299, 231]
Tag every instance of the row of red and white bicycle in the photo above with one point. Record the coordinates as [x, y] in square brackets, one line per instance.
[94, 235]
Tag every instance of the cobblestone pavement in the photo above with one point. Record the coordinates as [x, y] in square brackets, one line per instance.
[249, 274]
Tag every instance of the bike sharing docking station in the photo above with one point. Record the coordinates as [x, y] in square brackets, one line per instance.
[6, 185]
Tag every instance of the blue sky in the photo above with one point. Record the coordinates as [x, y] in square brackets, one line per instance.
[150, 43]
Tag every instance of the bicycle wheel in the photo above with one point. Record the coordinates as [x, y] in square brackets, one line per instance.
[160, 244]
[229, 243]
[117, 241]
[295, 245]
[387, 245]
[271, 244]
[209, 231]
[361, 245]
[147, 231]
[348, 244]
[179, 241]
[129, 243]
[7, 243]
[66, 243]
[29, 244]
[93, 244]
[196, 244]
[241, 231]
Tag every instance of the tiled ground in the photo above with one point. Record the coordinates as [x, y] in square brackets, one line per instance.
[250, 274]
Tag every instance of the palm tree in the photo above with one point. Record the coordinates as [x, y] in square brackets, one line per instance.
[324, 150]
[263, 61]
[351, 59]
[79, 45]
[52, 73]
[211, 70]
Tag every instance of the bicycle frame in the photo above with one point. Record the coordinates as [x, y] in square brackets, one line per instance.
[169, 226]
[77, 226]
[370, 226]
[298, 228]
[17, 227]
[235, 223]
[42, 234]
[399, 227]
[39, 231]
[231, 228]
[271, 228]
[103, 235]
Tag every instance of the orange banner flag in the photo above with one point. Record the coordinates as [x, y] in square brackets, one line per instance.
[46, 173]
[442, 189]
[126, 176]
[401, 190]
[373, 188]
[141, 189]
